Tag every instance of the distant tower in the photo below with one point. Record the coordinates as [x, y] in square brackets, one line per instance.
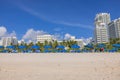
[101, 25]
[114, 28]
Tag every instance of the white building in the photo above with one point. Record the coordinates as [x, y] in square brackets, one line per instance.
[43, 38]
[6, 41]
[80, 42]
[114, 28]
[21, 42]
[101, 34]
[0, 42]
[102, 18]
[72, 38]
[101, 25]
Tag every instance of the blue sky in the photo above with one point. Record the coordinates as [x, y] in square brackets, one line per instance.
[75, 17]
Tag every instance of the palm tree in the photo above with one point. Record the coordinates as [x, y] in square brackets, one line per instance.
[54, 44]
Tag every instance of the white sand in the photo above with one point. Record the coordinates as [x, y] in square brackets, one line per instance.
[60, 66]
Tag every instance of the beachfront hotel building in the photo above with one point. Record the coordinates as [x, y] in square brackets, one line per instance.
[114, 28]
[43, 38]
[6, 41]
[80, 42]
[101, 24]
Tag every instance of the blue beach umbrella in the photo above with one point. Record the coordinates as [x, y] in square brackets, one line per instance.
[60, 47]
[1, 47]
[101, 45]
[10, 47]
[75, 46]
[21, 47]
[89, 46]
[35, 47]
[47, 46]
[116, 45]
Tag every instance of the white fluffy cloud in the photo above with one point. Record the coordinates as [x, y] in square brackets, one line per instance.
[67, 36]
[4, 32]
[31, 34]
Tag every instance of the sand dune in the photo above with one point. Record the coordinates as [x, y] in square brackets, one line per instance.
[60, 66]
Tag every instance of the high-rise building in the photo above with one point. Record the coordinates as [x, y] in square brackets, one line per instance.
[101, 25]
[6, 41]
[114, 28]
[102, 18]
[43, 38]
[0, 42]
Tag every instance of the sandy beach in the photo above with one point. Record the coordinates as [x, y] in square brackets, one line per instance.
[55, 66]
